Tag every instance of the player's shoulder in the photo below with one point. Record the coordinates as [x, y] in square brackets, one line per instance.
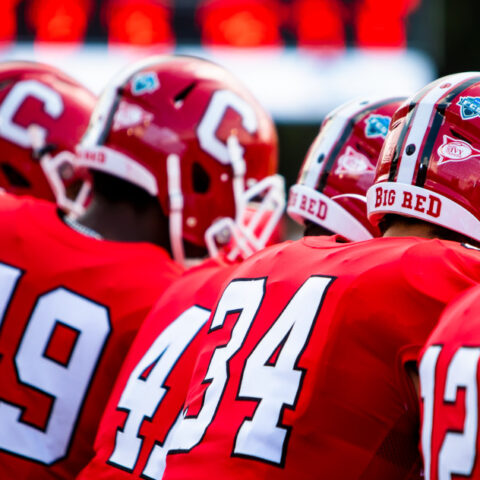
[145, 264]
[208, 275]
[441, 255]
[440, 268]
[24, 216]
[460, 321]
[13, 203]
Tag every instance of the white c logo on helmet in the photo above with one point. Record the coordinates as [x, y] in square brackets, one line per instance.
[52, 104]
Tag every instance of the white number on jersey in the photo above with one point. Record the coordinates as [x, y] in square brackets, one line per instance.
[66, 383]
[458, 451]
[275, 386]
[142, 396]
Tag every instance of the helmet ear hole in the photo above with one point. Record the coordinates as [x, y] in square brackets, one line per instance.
[458, 135]
[200, 179]
[14, 177]
[362, 149]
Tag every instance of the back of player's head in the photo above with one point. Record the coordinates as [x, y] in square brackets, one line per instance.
[188, 133]
[429, 167]
[339, 168]
[44, 113]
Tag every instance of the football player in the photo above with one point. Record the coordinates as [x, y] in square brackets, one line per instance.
[305, 370]
[147, 400]
[44, 114]
[329, 196]
[449, 392]
[163, 146]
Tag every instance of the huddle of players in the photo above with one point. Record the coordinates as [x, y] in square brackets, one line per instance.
[309, 359]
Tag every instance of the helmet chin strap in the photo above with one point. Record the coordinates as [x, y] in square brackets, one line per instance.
[227, 227]
[51, 168]
[266, 217]
[176, 204]
[242, 232]
[239, 167]
[175, 216]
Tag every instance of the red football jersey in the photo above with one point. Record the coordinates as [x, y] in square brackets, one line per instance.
[69, 308]
[150, 390]
[449, 379]
[302, 374]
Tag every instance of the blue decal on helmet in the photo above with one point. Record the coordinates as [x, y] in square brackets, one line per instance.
[469, 107]
[145, 82]
[377, 126]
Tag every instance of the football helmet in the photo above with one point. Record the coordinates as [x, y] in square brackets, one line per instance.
[340, 166]
[429, 165]
[189, 133]
[43, 113]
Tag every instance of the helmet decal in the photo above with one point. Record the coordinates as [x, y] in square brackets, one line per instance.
[353, 162]
[129, 115]
[455, 150]
[145, 82]
[469, 107]
[377, 126]
[340, 166]
[52, 106]
[428, 167]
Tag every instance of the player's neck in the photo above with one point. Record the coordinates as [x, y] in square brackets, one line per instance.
[122, 222]
[423, 230]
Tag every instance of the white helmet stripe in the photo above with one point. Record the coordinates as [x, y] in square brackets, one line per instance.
[424, 110]
[328, 138]
[331, 134]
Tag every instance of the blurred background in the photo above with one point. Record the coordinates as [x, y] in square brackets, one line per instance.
[301, 58]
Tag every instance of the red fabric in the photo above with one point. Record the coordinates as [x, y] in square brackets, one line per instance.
[353, 414]
[198, 286]
[458, 329]
[125, 278]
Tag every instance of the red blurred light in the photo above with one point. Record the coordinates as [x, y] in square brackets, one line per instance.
[240, 23]
[140, 23]
[8, 20]
[59, 20]
[381, 23]
[320, 23]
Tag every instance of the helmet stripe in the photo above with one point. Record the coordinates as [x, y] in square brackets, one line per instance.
[436, 124]
[328, 147]
[419, 124]
[327, 141]
[368, 106]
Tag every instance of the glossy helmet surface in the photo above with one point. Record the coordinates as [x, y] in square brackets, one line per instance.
[340, 166]
[44, 113]
[429, 167]
[189, 133]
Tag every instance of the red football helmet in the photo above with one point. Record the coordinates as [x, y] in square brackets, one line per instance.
[428, 167]
[340, 166]
[190, 134]
[43, 113]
